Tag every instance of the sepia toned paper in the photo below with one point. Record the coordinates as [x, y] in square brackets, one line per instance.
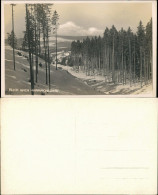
[71, 136]
[79, 146]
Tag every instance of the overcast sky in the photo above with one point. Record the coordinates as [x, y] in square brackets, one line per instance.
[86, 18]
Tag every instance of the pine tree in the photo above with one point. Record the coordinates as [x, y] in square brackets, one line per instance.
[149, 48]
[28, 29]
[141, 36]
[13, 34]
[120, 56]
[55, 24]
[48, 30]
[130, 54]
[12, 40]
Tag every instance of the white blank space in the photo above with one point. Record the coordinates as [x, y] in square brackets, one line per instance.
[79, 145]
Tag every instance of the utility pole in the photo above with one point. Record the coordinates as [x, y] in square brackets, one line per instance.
[13, 33]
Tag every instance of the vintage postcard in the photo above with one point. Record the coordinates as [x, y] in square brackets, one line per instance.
[79, 48]
[79, 146]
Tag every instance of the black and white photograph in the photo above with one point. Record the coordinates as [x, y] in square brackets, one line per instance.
[78, 48]
[78, 113]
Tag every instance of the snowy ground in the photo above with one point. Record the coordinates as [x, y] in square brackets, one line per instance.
[98, 82]
[62, 82]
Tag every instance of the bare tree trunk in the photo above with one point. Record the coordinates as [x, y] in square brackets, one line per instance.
[105, 62]
[130, 60]
[122, 66]
[108, 65]
[134, 61]
[99, 62]
[151, 65]
[13, 35]
[147, 69]
[49, 64]
[36, 51]
[119, 69]
[125, 73]
[145, 75]
[141, 67]
[29, 45]
[45, 57]
[93, 64]
[56, 49]
[39, 40]
[113, 62]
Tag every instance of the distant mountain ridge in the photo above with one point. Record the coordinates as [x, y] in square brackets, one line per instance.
[80, 38]
[73, 38]
[64, 42]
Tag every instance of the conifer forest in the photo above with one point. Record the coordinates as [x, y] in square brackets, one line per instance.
[118, 55]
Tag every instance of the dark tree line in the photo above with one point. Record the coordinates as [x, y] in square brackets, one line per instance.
[37, 25]
[121, 56]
